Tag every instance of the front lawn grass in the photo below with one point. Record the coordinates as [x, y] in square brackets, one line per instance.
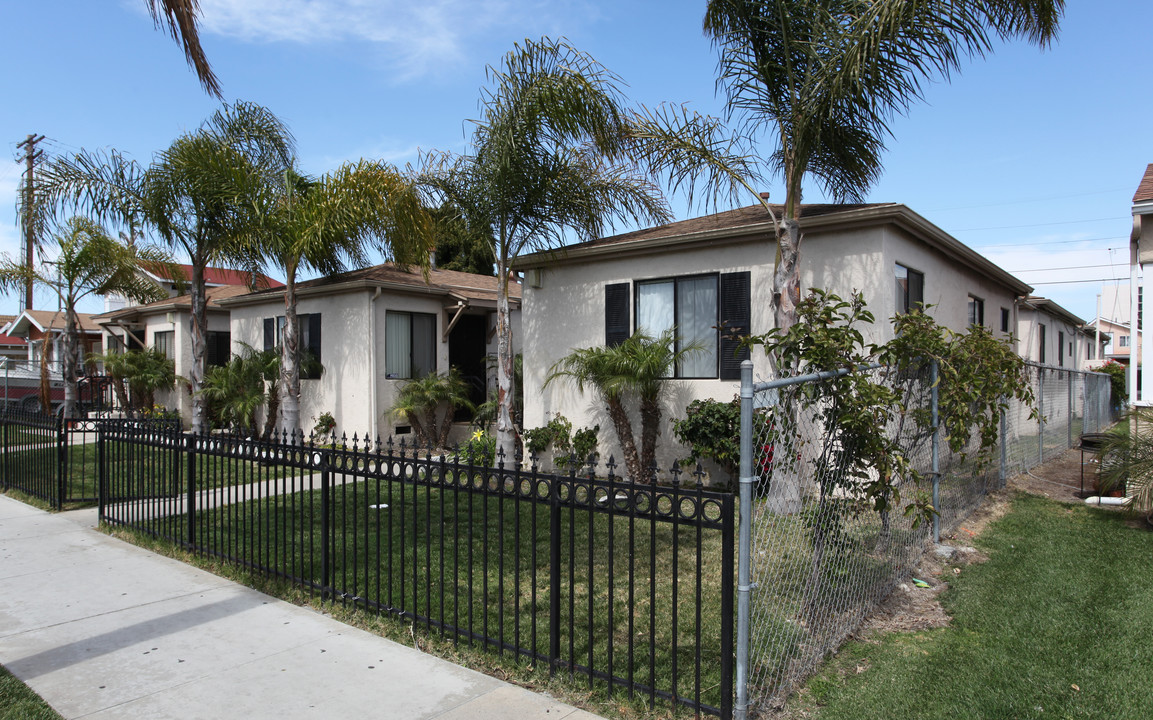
[1058, 623]
[18, 702]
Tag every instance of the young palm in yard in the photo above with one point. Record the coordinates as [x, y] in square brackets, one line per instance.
[548, 157]
[89, 262]
[324, 225]
[636, 369]
[190, 195]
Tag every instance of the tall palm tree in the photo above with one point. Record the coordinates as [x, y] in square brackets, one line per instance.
[193, 195]
[180, 17]
[823, 79]
[89, 262]
[635, 370]
[326, 224]
[548, 158]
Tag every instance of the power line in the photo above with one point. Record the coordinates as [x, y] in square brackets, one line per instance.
[1052, 242]
[1027, 200]
[1074, 282]
[1071, 267]
[1014, 227]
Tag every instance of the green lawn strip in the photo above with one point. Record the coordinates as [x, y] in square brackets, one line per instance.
[1066, 599]
[155, 467]
[496, 539]
[18, 702]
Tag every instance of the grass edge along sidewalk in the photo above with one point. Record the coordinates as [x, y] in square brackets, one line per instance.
[1056, 623]
[20, 702]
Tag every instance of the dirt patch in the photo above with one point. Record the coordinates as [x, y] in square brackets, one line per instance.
[910, 608]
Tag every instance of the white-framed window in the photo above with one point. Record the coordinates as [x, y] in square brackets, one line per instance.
[1123, 341]
[976, 311]
[409, 345]
[910, 288]
[165, 343]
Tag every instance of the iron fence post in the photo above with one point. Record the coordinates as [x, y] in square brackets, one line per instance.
[934, 399]
[325, 526]
[101, 474]
[61, 460]
[554, 573]
[745, 510]
[190, 451]
[4, 460]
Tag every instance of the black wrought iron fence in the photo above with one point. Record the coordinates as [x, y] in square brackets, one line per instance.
[627, 585]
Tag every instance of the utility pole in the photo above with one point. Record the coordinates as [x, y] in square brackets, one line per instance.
[31, 156]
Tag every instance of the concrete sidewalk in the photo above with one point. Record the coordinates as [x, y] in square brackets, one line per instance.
[102, 629]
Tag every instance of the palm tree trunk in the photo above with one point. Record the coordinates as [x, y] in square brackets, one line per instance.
[198, 331]
[650, 429]
[624, 430]
[290, 360]
[505, 429]
[68, 364]
[446, 425]
[273, 408]
[786, 274]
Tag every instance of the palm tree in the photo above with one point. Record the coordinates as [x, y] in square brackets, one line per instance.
[420, 399]
[89, 262]
[325, 224]
[548, 157]
[180, 17]
[193, 195]
[633, 370]
[823, 78]
[237, 390]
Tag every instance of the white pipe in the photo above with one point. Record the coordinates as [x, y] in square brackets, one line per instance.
[1115, 501]
[372, 362]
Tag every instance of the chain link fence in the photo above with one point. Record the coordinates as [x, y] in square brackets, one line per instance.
[816, 555]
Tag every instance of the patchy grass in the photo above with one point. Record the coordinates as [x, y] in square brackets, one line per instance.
[18, 702]
[1057, 624]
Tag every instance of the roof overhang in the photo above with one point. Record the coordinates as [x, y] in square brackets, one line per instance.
[871, 216]
[454, 294]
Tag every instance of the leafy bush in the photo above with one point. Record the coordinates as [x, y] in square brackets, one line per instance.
[558, 435]
[1118, 381]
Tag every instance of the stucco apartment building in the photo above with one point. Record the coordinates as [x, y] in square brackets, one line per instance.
[715, 271]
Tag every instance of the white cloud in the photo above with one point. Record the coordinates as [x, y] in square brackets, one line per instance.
[422, 37]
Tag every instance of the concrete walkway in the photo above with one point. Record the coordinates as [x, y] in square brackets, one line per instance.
[103, 629]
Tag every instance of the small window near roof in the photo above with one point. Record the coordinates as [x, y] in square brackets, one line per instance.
[910, 288]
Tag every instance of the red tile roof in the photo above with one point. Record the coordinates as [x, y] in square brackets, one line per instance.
[219, 276]
[1145, 188]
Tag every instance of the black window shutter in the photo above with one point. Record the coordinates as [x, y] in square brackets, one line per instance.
[616, 314]
[269, 333]
[916, 289]
[736, 320]
[314, 335]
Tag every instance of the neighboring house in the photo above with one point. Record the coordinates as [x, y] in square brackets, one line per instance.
[166, 326]
[716, 271]
[35, 327]
[373, 330]
[1051, 335]
[1141, 254]
[213, 277]
[1117, 342]
[14, 349]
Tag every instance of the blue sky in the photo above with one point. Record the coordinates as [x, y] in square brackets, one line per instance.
[1030, 157]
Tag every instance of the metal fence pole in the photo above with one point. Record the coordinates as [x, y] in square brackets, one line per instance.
[190, 449]
[1069, 379]
[61, 461]
[554, 517]
[101, 474]
[744, 533]
[5, 455]
[1003, 476]
[1040, 415]
[933, 380]
[325, 527]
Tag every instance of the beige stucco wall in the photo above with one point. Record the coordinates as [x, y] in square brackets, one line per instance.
[354, 386]
[567, 311]
[1028, 330]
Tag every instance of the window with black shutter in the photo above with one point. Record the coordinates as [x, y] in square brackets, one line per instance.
[617, 315]
[308, 345]
[736, 322]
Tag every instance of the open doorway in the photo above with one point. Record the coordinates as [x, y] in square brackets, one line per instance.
[466, 352]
